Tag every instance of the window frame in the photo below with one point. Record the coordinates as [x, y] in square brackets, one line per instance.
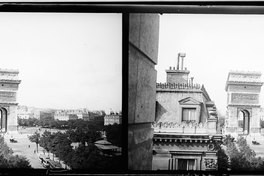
[189, 114]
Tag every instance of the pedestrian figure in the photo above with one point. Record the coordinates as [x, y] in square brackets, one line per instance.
[34, 151]
[28, 146]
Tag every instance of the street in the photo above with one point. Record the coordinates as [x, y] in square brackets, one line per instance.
[26, 148]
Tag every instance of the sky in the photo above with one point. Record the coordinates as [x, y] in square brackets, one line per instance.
[214, 45]
[65, 60]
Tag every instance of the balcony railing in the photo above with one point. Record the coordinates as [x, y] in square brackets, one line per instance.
[186, 128]
[177, 86]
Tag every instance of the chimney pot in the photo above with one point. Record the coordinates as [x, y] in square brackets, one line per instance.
[178, 61]
[192, 80]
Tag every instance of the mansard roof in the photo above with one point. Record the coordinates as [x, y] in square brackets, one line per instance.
[206, 95]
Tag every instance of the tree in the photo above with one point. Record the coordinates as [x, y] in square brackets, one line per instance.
[223, 163]
[18, 162]
[46, 140]
[4, 149]
[241, 156]
[114, 134]
[35, 138]
[61, 146]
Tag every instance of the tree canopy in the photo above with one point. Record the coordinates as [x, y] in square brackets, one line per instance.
[35, 138]
[241, 156]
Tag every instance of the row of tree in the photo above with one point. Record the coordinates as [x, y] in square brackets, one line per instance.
[8, 160]
[86, 156]
[77, 127]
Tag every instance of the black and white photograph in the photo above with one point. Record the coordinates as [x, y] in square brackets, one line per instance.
[61, 91]
[196, 92]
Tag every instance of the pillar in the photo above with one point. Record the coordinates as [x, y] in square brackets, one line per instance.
[12, 119]
[143, 54]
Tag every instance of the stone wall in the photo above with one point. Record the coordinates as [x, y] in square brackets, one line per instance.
[7, 97]
[244, 88]
[143, 54]
[179, 76]
[255, 121]
[6, 86]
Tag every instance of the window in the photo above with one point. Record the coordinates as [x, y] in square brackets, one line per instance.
[188, 114]
[186, 164]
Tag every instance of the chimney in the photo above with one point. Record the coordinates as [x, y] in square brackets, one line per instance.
[178, 61]
[191, 80]
[182, 55]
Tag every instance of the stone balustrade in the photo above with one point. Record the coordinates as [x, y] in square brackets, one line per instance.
[186, 128]
[177, 86]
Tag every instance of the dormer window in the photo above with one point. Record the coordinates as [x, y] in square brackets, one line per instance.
[189, 114]
[190, 110]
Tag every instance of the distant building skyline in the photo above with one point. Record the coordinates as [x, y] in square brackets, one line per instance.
[65, 60]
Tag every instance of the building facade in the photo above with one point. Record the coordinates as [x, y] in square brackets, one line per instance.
[185, 128]
[113, 118]
[243, 104]
[65, 115]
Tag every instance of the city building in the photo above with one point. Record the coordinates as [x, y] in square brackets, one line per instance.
[61, 115]
[243, 104]
[65, 115]
[185, 127]
[23, 112]
[47, 114]
[113, 118]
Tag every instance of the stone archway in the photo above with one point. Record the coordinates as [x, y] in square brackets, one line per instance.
[244, 121]
[3, 119]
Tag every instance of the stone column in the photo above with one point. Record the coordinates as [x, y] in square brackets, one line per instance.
[12, 119]
[143, 54]
[255, 121]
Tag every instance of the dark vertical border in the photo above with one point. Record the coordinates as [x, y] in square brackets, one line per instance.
[125, 33]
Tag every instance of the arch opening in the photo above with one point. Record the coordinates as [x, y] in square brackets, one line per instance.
[243, 121]
[3, 120]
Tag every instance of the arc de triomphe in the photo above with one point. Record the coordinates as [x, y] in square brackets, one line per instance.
[243, 105]
[8, 100]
